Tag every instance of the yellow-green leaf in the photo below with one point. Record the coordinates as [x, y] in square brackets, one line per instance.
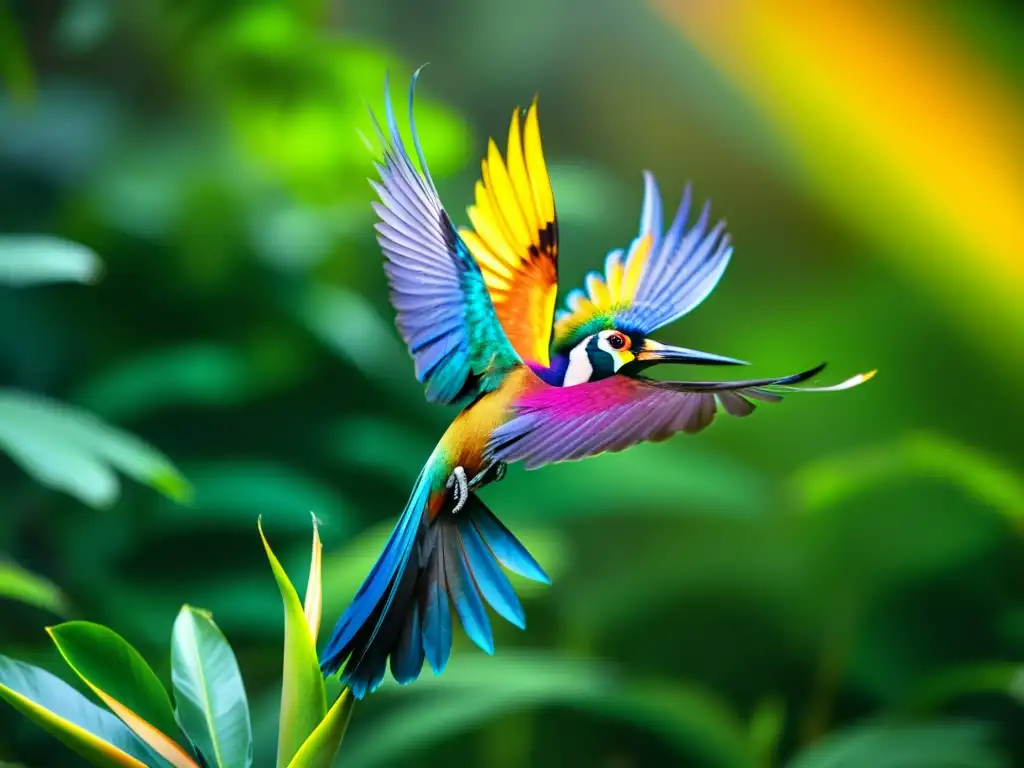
[212, 706]
[303, 698]
[313, 605]
[67, 715]
[322, 745]
[122, 679]
[19, 584]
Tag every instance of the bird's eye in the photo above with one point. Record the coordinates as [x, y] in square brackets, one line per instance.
[617, 341]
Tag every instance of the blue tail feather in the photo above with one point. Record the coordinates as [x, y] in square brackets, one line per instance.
[402, 612]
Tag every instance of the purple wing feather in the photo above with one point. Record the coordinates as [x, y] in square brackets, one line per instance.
[443, 312]
[555, 424]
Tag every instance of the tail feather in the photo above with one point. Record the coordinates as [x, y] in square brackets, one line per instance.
[402, 612]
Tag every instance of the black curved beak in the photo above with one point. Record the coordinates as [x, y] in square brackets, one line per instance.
[654, 352]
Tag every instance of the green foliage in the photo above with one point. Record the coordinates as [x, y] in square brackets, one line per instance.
[303, 698]
[18, 584]
[58, 708]
[933, 745]
[209, 692]
[73, 451]
[115, 671]
[209, 722]
[40, 259]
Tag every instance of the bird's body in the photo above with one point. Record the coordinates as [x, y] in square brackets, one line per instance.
[476, 308]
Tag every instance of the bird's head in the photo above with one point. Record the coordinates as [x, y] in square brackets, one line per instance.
[612, 350]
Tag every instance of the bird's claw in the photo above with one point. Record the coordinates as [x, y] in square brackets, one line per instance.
[459, 487]
[492, 474]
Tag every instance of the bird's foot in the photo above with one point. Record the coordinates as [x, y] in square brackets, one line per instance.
[493, 474]
[459, 488]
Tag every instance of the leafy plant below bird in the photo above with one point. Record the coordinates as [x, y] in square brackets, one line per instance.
[208, 724]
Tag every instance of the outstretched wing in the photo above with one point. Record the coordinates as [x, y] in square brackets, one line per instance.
[567, 423]
[445, 314]
[661, 277]
[515, 238]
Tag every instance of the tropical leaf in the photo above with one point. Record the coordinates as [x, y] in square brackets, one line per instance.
[322, 746]
[31, 259]
[195, 374]
[949, 685]
[941, 744]
[122, 679]
[832, 480]
[474, 690]
[208, 690]
[73, 451]
[303, 699]
[67, 715]
[18, 584]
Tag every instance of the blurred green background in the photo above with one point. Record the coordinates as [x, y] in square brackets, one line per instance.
[837, 580]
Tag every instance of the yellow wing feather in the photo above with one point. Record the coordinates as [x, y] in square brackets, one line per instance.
[514, 238]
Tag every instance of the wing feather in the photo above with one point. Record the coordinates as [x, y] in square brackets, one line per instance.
[663, 276]
[514, 238]
[554, 424]
[444, 312]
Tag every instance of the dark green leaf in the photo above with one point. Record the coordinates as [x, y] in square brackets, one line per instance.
[947, 744]
[119, 675]
[18, 584]
[197, 374]
[474, 690]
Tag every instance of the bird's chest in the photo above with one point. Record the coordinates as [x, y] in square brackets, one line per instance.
[466, 438]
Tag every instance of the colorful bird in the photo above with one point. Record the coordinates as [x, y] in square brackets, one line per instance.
[476, 308]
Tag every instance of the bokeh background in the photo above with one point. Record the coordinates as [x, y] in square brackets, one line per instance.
[837, 580]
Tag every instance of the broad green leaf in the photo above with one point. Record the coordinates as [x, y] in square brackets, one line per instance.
[196, 374]
[32, 259]
[323, 744]
[73, 451]
[118, 675]
[949, 685]
[18, 584]
[312, 604]
[303, 699]
[834, 479]
[208, 690]
[940, 744]
[474, 690]
[67, 715]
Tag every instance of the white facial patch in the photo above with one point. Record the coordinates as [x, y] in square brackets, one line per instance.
[580, 369]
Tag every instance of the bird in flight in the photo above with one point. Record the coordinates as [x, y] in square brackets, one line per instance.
[476, 308]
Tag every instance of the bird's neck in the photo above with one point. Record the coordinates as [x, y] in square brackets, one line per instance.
[555, 373]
